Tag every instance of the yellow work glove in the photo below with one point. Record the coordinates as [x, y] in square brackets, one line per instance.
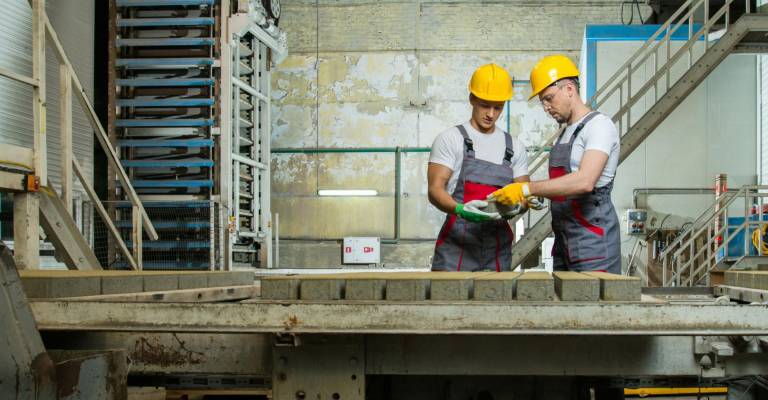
[512, 194]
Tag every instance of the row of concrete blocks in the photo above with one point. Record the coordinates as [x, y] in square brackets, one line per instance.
[747, 279]
[58, 284]
[454, 286]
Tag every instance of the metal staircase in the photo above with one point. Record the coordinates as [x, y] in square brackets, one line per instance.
[688, 260]
[165, 59]
[674, 74]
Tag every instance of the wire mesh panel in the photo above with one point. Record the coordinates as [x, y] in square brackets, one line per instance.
[189, 237]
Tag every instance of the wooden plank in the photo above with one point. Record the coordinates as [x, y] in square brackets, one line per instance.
[535, 286]
[200, 295]
[499, 286]
[615, 287]
[573, 286]
[65, 125]
[18, 156]
[18, 77]
[62, 231]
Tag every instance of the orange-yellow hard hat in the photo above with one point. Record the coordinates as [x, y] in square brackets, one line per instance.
[491, 82]
[549, 70]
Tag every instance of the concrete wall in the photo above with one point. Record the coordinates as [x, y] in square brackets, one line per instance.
[394, 73]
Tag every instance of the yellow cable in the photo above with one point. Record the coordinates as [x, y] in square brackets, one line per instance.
[14, 163]
[756, 239]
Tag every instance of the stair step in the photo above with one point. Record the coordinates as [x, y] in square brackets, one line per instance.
[246, 177]
[172, 183]
[246, 195]
[166, 204]
[169, 224]
[166, 163]
[185, 62]
[163, 3]
[139, 22]
[146, 82]
[245, 141]
[165, 143]
[245, 106]
[245, 69]
[246, 213]
[165, 42]
[171, 244]
[163, 122]
[165, 103]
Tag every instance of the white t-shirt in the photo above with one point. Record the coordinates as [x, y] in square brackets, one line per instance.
[448, 150]
[598, 134]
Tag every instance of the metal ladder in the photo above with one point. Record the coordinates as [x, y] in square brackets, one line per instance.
[165, 55]
[666, 89]
[688, 260]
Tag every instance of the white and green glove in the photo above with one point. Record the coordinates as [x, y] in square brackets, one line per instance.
[473, 212]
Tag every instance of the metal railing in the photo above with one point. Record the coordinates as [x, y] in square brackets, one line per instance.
[688, 260]
[69, 84]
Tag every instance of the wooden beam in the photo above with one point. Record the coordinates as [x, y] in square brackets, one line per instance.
[17, 156]
[65, 118]
[39, 95]
[18, 77]
[202, 295]
[136, 237]
[26, 233]
[101, 134]
[103, 214]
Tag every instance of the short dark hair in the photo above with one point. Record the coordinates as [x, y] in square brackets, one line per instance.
[574, 80]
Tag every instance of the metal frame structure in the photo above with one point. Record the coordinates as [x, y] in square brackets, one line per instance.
[27, 205]
[745, 35]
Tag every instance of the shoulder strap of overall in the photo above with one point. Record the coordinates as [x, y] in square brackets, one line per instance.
[469, 147]
[509, 152]
[583, 123]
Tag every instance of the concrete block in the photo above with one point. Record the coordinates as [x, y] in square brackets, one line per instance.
[115, 284]
[55, 287]
[325, 288]
[496, 286]
[230, 278]
[193, 281]
[618, 287]
[280, 288]
[535, 286]
[408, 286]
[161, 282]
[451, 286]
[365, 286]
[573, 286]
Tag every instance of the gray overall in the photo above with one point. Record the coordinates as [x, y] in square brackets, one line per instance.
[476, 246]
[586, 226]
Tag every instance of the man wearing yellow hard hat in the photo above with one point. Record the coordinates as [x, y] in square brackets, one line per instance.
[582, 166]
[467, 163]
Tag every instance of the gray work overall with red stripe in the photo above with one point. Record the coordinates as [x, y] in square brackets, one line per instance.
[586, 226]
[476, 246]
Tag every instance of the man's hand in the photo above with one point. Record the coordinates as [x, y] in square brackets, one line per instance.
[472, 212]
[536, 203]
[512, 194]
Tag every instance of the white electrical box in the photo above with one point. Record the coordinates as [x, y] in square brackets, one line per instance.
[361, 250]
[636, 220]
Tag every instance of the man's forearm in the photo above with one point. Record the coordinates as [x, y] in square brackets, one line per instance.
[568, 185]
[442, 200]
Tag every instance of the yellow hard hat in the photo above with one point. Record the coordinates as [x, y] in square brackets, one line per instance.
[549, 70]
[491, 82]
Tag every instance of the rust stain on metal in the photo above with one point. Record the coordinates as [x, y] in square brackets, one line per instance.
[291, 322]
[151, 351]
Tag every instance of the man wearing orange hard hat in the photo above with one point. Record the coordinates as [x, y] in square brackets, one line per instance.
[582, 166]
[467, 163]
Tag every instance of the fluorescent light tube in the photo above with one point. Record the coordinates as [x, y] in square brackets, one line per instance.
[347, 192]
